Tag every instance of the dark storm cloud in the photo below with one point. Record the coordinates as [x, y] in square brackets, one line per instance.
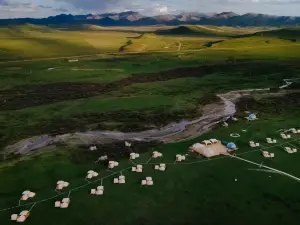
[98, 4]
[3, 3]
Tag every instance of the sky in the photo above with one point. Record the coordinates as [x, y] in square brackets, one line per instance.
[45, 8]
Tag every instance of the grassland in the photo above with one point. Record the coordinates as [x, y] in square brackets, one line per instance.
[183, 190]
[145, 86]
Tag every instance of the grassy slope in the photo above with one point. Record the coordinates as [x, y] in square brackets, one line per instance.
[290, 33]
[34, 42]
[49, 42]
[205, 31]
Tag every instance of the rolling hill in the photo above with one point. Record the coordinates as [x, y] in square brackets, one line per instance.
[205, 31]
[291, 32]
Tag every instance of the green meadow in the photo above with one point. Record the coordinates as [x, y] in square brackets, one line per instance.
[137, 78]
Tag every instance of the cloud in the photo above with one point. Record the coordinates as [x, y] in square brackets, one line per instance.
[257, 2]
[3, 2]
[96, 4]
[44, 8]
[63, 10]
[13, 9]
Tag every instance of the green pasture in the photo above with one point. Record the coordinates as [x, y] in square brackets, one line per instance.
[177, 195]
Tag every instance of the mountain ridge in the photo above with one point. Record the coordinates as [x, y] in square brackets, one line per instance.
[131, 18]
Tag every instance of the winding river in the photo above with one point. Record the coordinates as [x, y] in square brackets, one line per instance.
[212, 114]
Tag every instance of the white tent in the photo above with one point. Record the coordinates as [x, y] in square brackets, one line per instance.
[24, 213]
[31, 194]
[24, 197]
[99, 192]
[132, 156]
[155, 155]
[162, 168]
[89, 176]
[26, 192]
[67, 200]
[64, 205]
[139, 170]
[127, 144]
[57, 204]
[21, 219]
[149, 182]
[121, 181]
[14, 217]
[59, 187]
[95, 174]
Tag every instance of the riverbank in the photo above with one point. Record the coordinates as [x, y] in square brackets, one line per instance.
[175, 132]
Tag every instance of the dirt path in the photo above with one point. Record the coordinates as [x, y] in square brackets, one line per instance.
[179, 46]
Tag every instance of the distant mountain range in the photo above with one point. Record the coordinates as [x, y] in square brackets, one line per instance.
[135, 19]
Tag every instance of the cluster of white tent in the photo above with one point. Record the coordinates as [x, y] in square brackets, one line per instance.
[119, 180]
[148, 181]
[20, 217]
[134, 155]
[26, 195]
[268, 154]
[98, 191]
[160, 167]
[285, 136]
[112, 164]
[93, 148]
[91, 174]
[63, 204]
[137, 168]
[180, 158]
[290, 150]
[253, 144]
[271, 141]
[61, 185]
[156, 154]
